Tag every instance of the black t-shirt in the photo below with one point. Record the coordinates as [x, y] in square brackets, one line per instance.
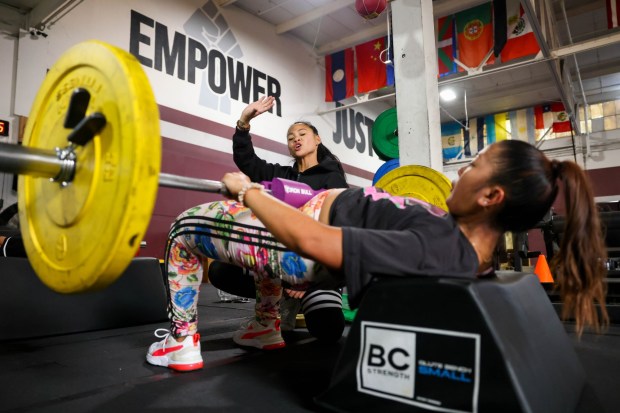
[386, 235]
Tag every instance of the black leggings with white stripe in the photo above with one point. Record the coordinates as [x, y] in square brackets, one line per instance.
[322, 309]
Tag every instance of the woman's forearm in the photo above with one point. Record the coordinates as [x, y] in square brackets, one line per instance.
[297, 231]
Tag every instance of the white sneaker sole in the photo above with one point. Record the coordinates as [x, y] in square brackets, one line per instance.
[257, 343]
[186, 365]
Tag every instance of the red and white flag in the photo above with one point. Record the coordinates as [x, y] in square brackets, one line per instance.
[561, 120]
[521, 40]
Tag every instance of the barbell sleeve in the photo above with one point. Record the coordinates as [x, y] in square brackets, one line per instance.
[32, 161]
[48, 164]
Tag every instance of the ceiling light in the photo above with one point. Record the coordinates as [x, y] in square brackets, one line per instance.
[447, 95]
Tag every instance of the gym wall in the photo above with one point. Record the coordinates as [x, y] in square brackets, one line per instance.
[199, 105]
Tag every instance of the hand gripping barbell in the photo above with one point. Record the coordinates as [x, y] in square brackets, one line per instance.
[93, 131]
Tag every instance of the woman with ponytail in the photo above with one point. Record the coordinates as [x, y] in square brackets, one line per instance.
[348, 236]
[530, 183]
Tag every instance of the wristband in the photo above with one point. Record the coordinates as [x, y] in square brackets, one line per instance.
[242, 126]
[251, 185]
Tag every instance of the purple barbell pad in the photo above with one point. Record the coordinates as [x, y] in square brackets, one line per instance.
[292, 192]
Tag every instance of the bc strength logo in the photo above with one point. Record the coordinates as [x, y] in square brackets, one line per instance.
[429, 368]
[473, 29]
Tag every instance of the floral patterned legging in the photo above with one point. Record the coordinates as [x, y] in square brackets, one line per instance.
[229, 232]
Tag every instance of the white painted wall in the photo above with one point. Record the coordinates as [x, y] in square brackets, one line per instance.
[8, 49]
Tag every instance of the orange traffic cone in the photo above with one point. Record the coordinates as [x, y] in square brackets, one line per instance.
[542, 270]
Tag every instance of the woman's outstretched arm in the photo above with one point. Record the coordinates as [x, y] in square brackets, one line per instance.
[298, 232]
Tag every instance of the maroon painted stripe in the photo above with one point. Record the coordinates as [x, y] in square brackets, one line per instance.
[357, 171]
[205, 125]
[208, 126]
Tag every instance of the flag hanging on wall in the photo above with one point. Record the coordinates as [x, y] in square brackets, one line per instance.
[475, 36]
[473, 137]
[372, 72]
[339, 77]
[531, 125]
[613, 13]
[496, 127]
[543, 116]
[561, 120]
[521, 40]
[522, 125]
[446, 46]
[451, 140]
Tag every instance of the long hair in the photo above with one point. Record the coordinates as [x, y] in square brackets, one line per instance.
[579, 264]
[530, 182]
[322, 152]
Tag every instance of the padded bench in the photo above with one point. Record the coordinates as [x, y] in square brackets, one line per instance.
[433, 344]
[30, 309]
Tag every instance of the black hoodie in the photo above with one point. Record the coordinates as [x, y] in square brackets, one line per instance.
[325, 175]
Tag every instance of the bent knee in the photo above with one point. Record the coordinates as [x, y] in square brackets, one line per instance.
[326, 324]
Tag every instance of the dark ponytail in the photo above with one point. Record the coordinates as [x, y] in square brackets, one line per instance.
[579, 264]
[530, 182]
[323, 153]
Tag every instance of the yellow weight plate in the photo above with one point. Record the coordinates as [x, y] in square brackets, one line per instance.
[83, 236]
[418, 182]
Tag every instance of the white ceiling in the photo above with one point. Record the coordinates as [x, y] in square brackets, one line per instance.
[584, 50]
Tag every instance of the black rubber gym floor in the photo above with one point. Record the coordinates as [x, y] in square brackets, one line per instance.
[105, 371]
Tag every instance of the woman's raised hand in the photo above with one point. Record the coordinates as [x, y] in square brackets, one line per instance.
[254, 109]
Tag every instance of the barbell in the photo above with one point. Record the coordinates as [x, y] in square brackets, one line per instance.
[89, 168]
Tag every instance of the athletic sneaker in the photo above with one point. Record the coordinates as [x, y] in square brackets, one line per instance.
[179, 356]
[254, 334]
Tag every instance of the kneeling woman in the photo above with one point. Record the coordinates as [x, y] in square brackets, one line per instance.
[348, 236]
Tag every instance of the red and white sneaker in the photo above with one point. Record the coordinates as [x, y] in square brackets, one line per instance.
[264, 337]
[179, 356]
